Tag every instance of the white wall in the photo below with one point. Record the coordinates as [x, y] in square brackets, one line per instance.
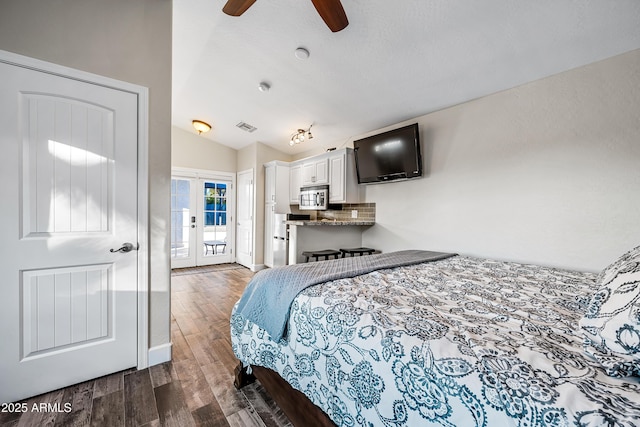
[125, 40]
[545, 173]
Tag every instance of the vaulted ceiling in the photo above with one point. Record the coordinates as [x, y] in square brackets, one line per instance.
[397, 59]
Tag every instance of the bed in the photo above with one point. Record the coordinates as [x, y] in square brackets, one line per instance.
[447, 340]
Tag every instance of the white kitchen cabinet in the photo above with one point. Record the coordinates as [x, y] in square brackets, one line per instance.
[276, 185]
[337, 188]
[335, 168]
[315, 171]
[343, 181]
[295, 182]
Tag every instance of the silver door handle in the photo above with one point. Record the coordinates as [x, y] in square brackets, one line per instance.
[126, 247]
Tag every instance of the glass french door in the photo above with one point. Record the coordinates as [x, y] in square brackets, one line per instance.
[201, 221]
[181, 233]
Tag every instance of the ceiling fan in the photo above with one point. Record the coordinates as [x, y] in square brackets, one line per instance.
[330, 11]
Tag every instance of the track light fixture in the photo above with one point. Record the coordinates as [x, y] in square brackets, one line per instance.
[300, 136]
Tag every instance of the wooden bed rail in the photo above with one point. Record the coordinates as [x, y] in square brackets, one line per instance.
[297, 407]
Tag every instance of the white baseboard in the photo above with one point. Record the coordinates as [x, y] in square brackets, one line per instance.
[257, 267]
[159, 354]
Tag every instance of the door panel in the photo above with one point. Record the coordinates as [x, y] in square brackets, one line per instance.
[214, 221]
[67, 152]
[65, 306]
[69, 166]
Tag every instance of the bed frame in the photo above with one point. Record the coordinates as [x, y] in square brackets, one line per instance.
[296, 406]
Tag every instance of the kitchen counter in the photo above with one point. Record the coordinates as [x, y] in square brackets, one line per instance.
[329, 222]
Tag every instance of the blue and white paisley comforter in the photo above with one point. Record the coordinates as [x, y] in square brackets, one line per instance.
[457, 342]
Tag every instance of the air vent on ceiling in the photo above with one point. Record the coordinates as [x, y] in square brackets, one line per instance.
[246, 127]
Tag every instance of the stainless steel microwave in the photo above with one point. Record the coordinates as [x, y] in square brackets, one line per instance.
[315, 197]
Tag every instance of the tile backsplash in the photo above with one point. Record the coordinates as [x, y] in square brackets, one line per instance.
[366, 212]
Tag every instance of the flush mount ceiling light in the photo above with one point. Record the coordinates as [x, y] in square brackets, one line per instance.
[301, 53]
[300, 136]
[201, 126]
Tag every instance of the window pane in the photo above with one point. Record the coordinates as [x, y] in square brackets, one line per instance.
[183, 186]
[180, 215]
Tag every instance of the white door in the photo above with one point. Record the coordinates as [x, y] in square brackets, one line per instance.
[215, 222]
[183, 221]
[201, 221]
[244, 228]
[68, 311]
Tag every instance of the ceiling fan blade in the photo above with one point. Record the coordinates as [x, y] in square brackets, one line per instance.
[237, 7]
[332, 14]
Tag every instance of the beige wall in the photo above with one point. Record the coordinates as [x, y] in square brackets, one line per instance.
[190, 150]
[125, 40]
[264, 154]
[546, 173]
[254, 157]
[247, 158]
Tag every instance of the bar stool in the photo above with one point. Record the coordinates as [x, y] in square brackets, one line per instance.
[357, 251]
[326, 253]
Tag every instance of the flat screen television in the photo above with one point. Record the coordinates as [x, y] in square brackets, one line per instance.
[389, 156]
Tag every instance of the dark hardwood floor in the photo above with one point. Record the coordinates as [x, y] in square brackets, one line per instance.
[194, 389]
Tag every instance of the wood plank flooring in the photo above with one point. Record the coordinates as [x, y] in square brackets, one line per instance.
[194, 389]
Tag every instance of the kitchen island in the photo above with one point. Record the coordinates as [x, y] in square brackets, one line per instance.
[322, 234]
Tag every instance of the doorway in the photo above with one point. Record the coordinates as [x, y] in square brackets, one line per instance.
[202, 211]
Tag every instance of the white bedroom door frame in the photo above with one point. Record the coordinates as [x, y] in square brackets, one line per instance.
[140, 174]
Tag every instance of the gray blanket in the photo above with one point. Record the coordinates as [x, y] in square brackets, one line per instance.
[268, 297]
